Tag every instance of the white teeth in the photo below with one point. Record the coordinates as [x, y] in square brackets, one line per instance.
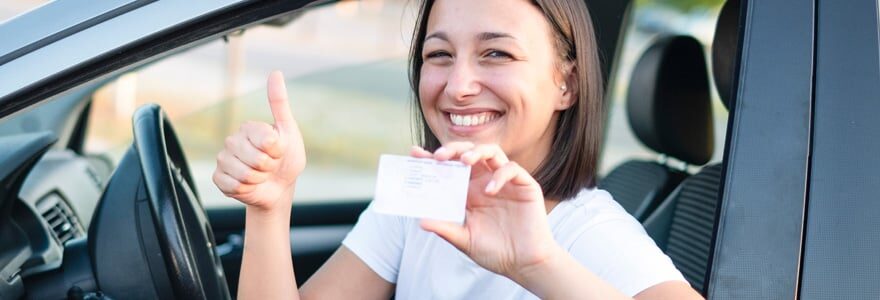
[473, 119]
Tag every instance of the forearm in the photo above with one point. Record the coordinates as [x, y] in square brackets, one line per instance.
[267, 267]
[563, 277]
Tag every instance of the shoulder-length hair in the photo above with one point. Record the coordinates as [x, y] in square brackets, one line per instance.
[572, 162]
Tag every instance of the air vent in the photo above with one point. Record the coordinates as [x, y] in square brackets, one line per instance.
[61, 220]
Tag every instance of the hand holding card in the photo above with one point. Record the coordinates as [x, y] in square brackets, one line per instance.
[506, 228]
[421, 188]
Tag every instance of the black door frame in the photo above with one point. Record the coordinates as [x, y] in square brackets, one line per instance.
[760, 218]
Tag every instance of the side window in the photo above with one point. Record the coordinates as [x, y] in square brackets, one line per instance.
[346, 72]
[650, 20]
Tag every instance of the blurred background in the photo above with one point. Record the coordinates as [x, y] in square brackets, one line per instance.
[346, 71]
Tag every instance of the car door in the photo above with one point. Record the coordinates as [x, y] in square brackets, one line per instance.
[763, 195]
[841, 238]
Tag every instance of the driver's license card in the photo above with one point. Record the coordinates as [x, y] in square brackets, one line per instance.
[421, 188]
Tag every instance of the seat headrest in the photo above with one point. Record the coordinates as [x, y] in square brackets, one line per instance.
[668, 102]
[725, 46]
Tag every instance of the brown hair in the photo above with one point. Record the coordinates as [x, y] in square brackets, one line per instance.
[578, 134]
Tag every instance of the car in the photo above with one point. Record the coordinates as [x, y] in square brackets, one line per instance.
[111, 112]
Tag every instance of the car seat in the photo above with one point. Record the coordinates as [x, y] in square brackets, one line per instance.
[669, 110]
[683, 226]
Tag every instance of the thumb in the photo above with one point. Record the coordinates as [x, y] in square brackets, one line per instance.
[453, 233]
[278, 101]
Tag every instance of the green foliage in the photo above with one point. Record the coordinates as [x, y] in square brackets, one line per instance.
[684, 5]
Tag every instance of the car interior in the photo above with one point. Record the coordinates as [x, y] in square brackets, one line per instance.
[70, 220]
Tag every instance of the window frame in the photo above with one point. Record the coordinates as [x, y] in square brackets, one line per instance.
[759, 223]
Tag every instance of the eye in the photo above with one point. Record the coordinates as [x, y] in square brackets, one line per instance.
[498, 54]
[437, 54]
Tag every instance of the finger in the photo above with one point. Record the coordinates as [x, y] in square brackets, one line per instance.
[453, 233]
[278, 103]
[509, 173]
[229, 186]
[238, 170]
[419, 152]
[490, 153]
[452, 150]
[263, 137]
[242, 149]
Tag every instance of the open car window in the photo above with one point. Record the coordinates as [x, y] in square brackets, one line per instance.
[344, 61]
[345, 64]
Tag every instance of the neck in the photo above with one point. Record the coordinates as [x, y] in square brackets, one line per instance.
[533, 155]
[549, 204]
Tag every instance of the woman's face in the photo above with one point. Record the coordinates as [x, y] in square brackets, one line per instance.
[491, 74]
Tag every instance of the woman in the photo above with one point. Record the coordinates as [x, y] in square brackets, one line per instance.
[512, 88]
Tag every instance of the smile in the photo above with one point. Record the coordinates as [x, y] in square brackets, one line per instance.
[473, 119]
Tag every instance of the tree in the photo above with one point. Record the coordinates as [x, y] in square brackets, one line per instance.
[684, 5]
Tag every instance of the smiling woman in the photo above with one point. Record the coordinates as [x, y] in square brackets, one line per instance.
[528, 71]
[511, 89]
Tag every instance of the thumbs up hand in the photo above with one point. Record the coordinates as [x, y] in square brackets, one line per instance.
[260, 164]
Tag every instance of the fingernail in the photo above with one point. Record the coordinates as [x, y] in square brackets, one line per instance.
[490, 186]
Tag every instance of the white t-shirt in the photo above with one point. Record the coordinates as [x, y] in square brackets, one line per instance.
[596, 230]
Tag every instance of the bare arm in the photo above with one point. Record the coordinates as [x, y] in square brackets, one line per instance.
[266, 265]
[259, 167]
[267, 270]
[563, 277]
[345, 276]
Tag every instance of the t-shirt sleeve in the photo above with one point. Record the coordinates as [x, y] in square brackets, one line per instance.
[620, 252]
[377, 239]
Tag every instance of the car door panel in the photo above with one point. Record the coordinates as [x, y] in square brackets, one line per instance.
[317, 231]
[763, 192]
[842, 229]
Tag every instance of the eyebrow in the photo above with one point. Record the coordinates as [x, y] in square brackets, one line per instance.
[483, 36]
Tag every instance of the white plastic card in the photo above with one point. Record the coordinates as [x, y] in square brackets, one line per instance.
[421, 188]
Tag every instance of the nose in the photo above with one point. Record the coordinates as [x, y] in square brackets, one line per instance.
[462, 82]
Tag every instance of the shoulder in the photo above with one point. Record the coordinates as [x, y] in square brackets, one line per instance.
[607, 240]
[590, 208]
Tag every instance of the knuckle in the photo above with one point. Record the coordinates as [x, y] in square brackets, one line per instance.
[262, 161]
[460, 145]
[237, 188]
[485, 149]
[262, 142]
[268, 142]
[251, 176]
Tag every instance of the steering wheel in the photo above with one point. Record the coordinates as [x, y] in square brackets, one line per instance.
[185, 236]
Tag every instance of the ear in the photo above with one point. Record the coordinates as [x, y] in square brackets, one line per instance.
[568, 89]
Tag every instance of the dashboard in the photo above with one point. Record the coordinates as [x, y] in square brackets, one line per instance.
[47, 198]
